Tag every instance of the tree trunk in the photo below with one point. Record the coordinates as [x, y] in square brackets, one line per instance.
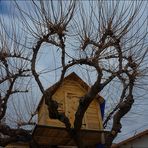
[77, 139]
[124, 108]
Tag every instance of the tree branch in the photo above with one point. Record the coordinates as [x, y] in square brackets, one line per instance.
[10, 135]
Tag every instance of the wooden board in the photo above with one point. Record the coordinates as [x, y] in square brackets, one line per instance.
[17, 145]
[48, 135]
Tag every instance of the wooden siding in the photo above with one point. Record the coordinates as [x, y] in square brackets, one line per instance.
[17, 145]
[49, 135]
[68, 96]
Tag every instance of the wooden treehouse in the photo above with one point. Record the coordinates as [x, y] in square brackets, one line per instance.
[52, 132]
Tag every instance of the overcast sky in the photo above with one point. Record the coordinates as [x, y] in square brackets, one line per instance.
[133, 122]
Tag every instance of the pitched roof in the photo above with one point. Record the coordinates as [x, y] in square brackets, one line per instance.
[131, 139]
[73, 76]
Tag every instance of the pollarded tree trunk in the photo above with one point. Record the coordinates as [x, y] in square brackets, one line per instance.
[123, 109]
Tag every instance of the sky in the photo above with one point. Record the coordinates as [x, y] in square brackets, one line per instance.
[3, 7]
[134, 122]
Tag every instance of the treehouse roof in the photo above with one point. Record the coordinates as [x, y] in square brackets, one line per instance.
[74, 77]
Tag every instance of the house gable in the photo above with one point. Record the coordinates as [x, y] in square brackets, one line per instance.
[68, 96]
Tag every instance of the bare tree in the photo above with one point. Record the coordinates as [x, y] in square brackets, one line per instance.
[106, 39]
